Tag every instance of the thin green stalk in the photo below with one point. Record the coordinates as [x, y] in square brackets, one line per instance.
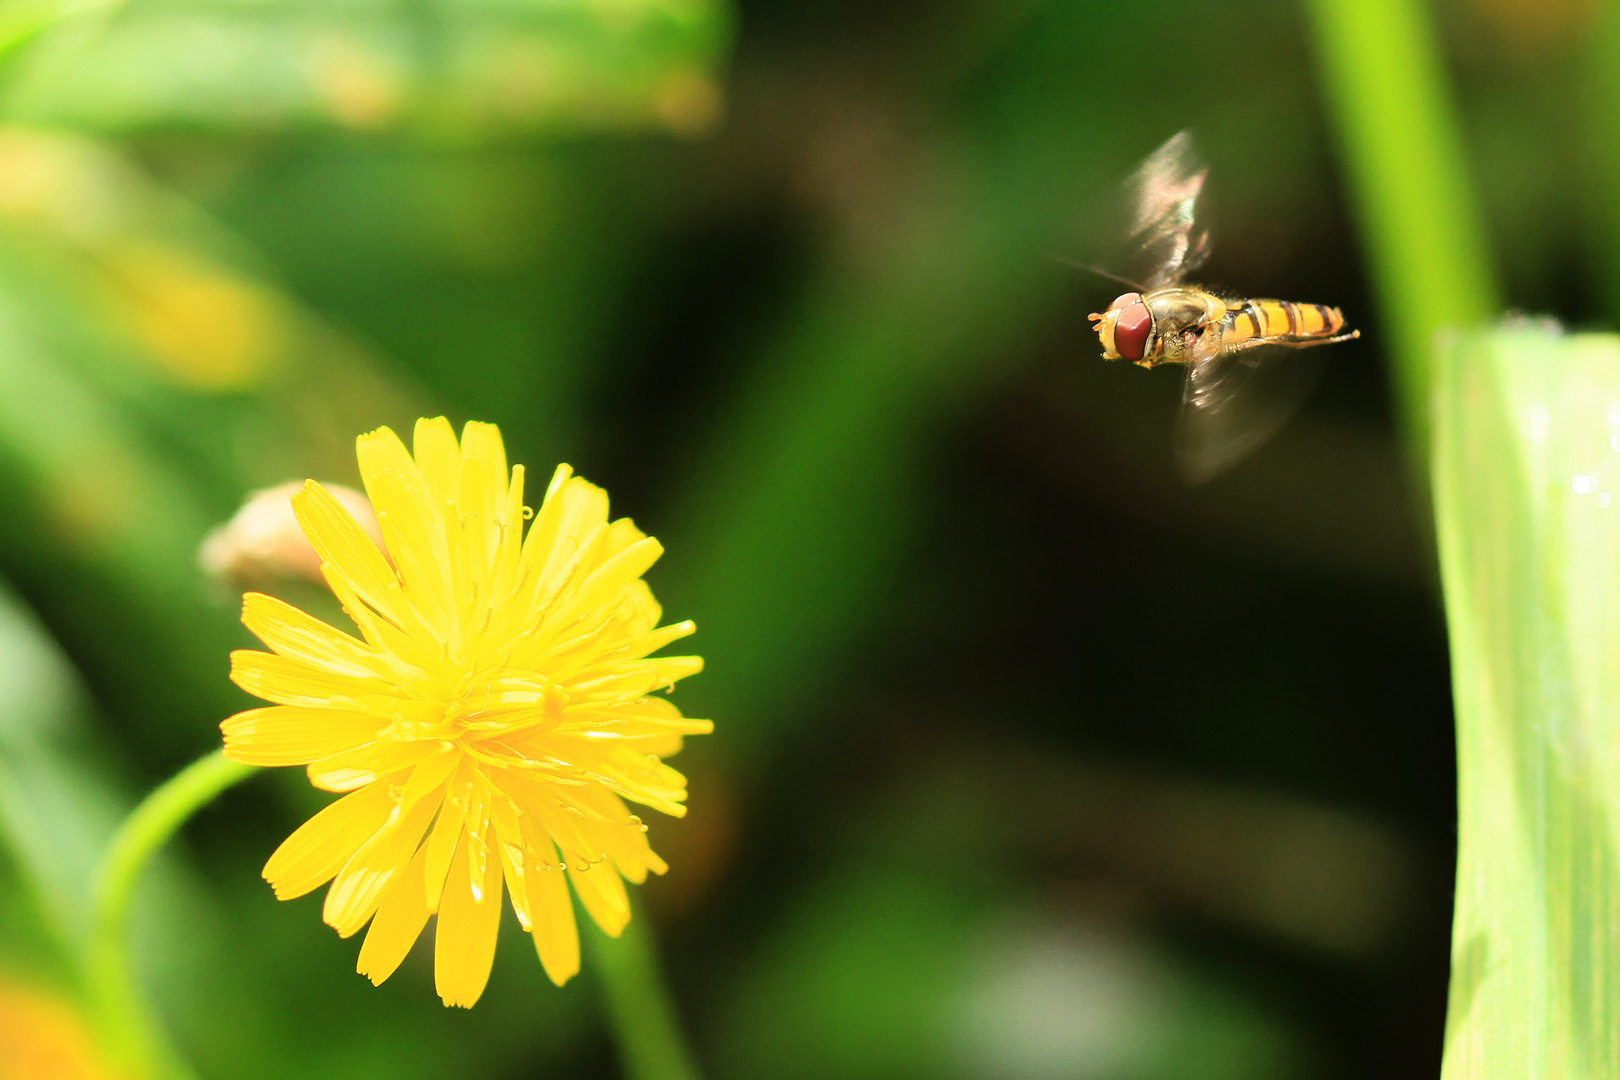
[1601, 208]
[128, 1032]
[640, 1007]
[1384, 79]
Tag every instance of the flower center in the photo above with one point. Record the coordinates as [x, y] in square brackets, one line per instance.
[512, 701]
[504, 704]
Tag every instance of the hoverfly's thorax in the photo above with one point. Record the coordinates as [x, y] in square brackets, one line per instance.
[1186, 323]
[1175, 310]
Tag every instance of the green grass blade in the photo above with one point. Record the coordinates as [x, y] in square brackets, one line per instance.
[1525, 471]
[1598, 205]
[1385, 83]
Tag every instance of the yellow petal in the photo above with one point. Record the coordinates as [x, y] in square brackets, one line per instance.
[551, 910]
[644, 779]
[549, 522]
[580, 510]
[445, 838]
[412, 527]
[622, 722]
[421, 652]
[439, 457]
[432, 772]
[634, 648]
[509, 843]
[619, 834]
[523, 591]
[359, 886]
[650, 725]
[636, 869]
[482, 443]
[660, 712]
[601, 890]
[464, 947]
[467, 530]
[606, 582]
[614, 683]
[663, 744]
[617, 536]
[638, 610]
[320, 846]
[508, 558]
[342, 543]
[577, 658]
[627, 846]
[364, 764]
[478, 512]
[288, 735]
[294, 634]
[397, 925]
[541, 811]
[293, 682]
[671, 669]
[476, 839]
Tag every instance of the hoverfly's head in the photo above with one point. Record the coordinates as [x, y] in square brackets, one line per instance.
[1124, 328]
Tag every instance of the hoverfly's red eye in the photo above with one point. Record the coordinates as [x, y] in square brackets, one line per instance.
[1121, 301]
[1131, 328]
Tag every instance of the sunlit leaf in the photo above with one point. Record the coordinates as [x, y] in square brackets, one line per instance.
[453, 68]
[1526, 477]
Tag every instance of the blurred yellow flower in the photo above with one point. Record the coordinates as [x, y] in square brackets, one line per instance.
[202, 322]
[42, 1038]
[491, 723]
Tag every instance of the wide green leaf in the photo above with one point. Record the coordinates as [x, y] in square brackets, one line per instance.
[1526, 470]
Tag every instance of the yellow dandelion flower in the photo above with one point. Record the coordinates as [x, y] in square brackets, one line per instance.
[488, 725]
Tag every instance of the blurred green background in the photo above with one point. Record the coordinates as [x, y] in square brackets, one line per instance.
[1031, 763]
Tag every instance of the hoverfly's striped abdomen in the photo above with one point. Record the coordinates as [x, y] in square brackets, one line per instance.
[1281, 321]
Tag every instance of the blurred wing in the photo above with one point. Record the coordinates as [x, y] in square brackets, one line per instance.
[1168, 240]
[1235, 402]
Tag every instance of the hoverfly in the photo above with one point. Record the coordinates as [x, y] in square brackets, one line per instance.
[1226, 344]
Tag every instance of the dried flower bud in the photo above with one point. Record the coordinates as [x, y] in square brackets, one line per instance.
[263, 541]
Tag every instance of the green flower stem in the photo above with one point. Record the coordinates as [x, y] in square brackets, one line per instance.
[640, 1008]
[129, 1035]
[1385, 84]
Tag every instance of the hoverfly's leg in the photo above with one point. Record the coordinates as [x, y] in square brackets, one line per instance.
[1231, 348]
[1248, 343]
[1290, 343]
[1305, 343]
[1197, 343]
